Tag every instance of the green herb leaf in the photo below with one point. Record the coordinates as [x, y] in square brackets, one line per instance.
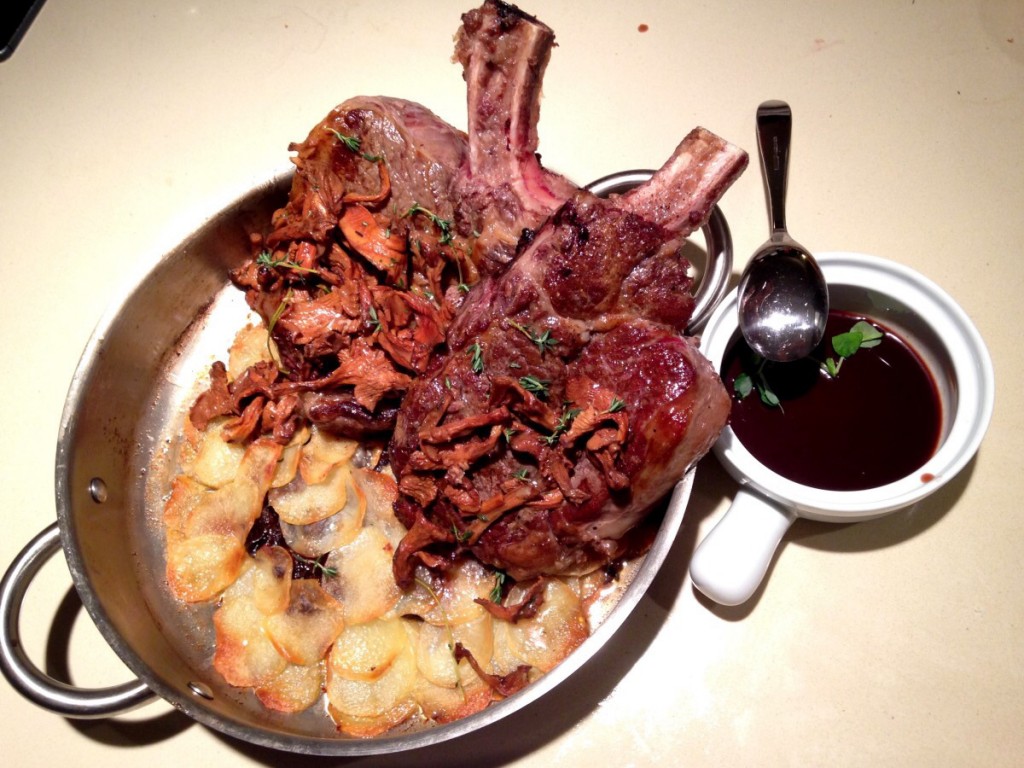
[863, 335]
[544, 341]
[535, 385]
[617, 405]
[327, 571]
[768, 397]
[743, 385]
[846, 344]
[521, 474]
[476, 354]
[266, 259]
[499, 586]
[445, 225]
[872, 337]
[355, 144]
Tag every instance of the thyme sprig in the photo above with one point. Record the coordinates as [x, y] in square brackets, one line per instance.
[266, 259]
[444, 225]
[532, 384]
[328, 571]
[476, 357]
[355, 144]
[564, 422]
[544, 341]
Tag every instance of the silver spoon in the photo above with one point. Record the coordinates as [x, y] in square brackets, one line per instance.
[783, 298]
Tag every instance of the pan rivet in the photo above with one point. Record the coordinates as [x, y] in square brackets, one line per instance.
[201, 689]
[98, 490]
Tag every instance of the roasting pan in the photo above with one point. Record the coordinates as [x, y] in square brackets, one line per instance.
[134, 383]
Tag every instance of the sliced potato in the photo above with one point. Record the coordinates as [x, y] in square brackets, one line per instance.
[554, 632]
[186, 493]
[294, 689]
[381, 492]
[244, 656]
[201, 567]
[286, 468]
[445, 705]
[270, 580]
[217, 461]
[390, 692]
[322, 453]
[229, 510]
[249, 348]
[365, 652]
[363, 581]
[435, 649]
[302, 503]
[453, 596]
[304, 631]
[368, 727]
[337, 530]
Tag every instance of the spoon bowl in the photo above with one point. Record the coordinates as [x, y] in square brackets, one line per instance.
[783, 297]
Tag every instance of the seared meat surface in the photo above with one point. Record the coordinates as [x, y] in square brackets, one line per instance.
[568, 401]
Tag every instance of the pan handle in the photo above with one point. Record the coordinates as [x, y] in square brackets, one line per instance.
[29, 680]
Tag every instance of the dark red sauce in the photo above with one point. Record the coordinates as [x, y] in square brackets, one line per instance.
[877, 421]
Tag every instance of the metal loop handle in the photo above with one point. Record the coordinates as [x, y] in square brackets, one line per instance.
[29, 680]
[714, 283]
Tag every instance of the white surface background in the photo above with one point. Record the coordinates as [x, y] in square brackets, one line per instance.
[895, 642]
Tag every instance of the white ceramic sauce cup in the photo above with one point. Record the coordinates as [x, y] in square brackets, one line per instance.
[732, 560]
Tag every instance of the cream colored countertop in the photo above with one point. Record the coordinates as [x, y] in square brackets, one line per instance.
[893, 642]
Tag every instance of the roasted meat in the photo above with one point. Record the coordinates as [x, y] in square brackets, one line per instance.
[392, 215]
[568, 402]
[520, 337]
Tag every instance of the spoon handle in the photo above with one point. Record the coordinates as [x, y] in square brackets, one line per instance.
[774, 126]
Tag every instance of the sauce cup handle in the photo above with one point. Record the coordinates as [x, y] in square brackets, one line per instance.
[731, 561]
[23, 675]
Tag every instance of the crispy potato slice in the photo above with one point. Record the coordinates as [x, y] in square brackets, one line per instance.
[363, 581]
[304, 631]
[365, 652]
[445, 705]
[244, 656]
[286, 468]
[302, 503]
[228, 511]
[435, 648]
[216, 461]
[270, 588]
[201, 567]
[233, 507]
[322, 453]
[368, 727]
[186, 493]
[389, 692]
[337, 530]
[554, 632]
[449, 598]
[381, 492]
[249, 348]
[297, 688]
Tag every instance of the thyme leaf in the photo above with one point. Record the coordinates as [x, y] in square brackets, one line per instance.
[266, 259]
[476, 354]
[535, 385]
[544, 341]
[355, 144]
[444, 225]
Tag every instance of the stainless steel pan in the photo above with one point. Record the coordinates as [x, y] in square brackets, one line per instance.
[135, 381]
